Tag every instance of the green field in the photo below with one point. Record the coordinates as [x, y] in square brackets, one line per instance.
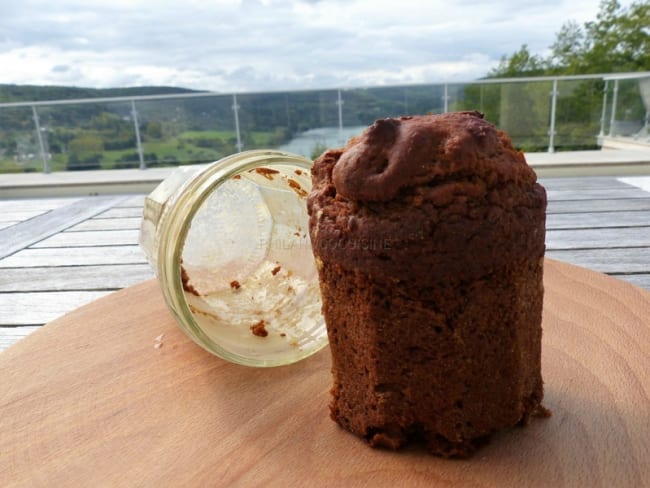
[87, 149]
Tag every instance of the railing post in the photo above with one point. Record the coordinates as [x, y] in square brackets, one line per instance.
[138, 141]
[551, 130]
[612, 119]
[235, 108]
[339, 102]
[41, 144]
[603, 114]
[445, 99]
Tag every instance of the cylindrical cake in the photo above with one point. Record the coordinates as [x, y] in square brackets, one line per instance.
[428, 233]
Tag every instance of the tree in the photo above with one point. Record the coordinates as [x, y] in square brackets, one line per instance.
[618, 40]
[567, 50]
[106, 121]
[154, 130]
[521, 63]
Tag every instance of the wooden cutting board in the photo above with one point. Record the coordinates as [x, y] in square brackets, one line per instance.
[113, 394]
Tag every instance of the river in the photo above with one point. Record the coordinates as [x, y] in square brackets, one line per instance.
[328, 137]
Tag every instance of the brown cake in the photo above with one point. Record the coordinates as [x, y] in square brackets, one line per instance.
[428, 233]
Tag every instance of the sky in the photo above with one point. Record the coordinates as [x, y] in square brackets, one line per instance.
[270, 45]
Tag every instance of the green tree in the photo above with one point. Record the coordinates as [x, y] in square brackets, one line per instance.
[567, 50]
[521, 63]
[618, 40]
[106, 121]
[154, 130]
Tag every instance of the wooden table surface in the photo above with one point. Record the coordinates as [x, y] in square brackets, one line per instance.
[113, 394]
[59, 253]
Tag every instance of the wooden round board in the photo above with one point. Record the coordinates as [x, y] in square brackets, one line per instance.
[113, 394]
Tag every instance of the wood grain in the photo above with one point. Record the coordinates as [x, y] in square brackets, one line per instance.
[639, 218]
[75, 256]
[584, 183]
[598, 238]
[585, 206]
[641, 280]
[614, 260]
[10, 335]
[121, 212]
[35, 308]
[62, 278]
[120, 237]
[89, 400]
[624, 192]
[109, 224]
[26, 208]
[32, 230]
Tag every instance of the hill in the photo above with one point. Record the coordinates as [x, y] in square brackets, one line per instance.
[29, 93]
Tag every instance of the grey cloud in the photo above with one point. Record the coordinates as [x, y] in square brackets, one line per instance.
[60, 68]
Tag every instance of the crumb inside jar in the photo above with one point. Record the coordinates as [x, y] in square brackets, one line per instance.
[259, 329]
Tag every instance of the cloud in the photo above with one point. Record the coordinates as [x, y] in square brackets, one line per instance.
[256, 45]
[60, 68]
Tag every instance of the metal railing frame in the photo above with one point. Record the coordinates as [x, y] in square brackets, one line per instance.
[606, 77]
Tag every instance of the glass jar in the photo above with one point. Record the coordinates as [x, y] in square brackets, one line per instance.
[230, 245]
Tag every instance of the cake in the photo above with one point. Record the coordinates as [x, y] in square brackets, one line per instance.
[428, 234]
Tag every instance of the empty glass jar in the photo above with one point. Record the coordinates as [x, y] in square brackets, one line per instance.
[230, 245]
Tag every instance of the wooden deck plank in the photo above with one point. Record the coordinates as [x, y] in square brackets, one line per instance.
[639, 218]
[612, 261]
[38, 205]
[9, 223]
[26, 233]
[11, 335]
[132, 201]
[628, 193]
[586, 206]
[121, 212]
[642, 182]
[90, 238]
[107, 224]
[583, 182]
[75, 256]
[18, 210]
[598, 238]
[640, 280]
[35, 308]
[20, 215]
[78, 278]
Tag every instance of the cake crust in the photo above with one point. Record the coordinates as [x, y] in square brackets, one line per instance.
[429, 232]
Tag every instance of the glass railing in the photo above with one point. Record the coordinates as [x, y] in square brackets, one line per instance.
[540, 114]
